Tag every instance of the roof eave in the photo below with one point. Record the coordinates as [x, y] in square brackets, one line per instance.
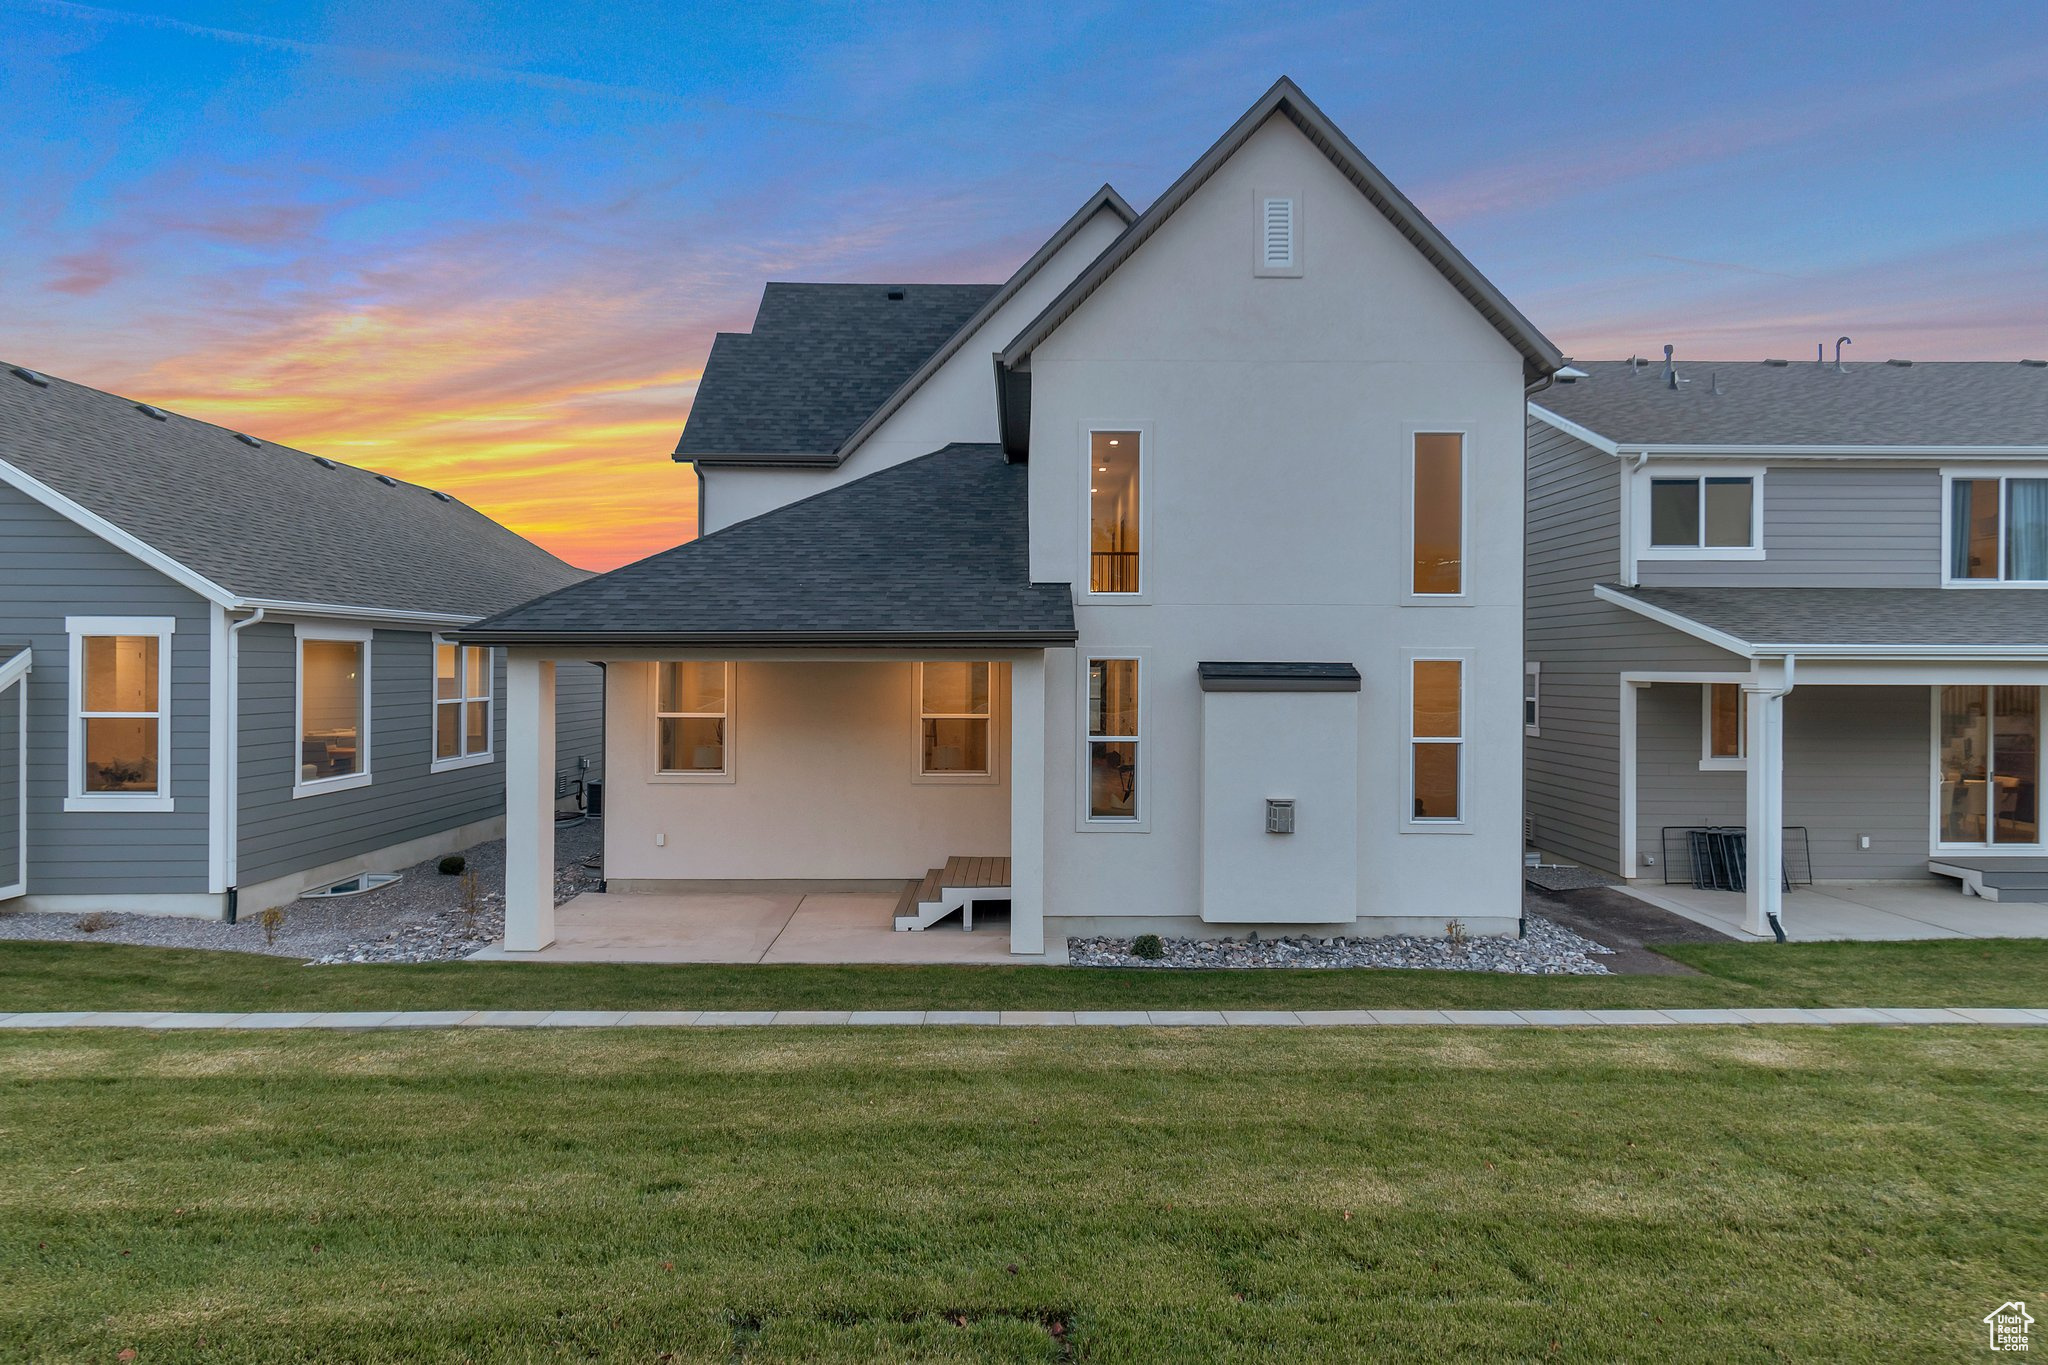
[784, 639]
[742, 459]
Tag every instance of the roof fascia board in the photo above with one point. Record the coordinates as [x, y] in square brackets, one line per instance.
[1104, 199]
[1540, 357]
[16, 668]
[1573, 429]
[343, 612]
[1685, 624]
[98, 525]
[1834, 452]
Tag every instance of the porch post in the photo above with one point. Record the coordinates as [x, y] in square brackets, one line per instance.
[1764, 896]
[529, 802]
[1027, 804]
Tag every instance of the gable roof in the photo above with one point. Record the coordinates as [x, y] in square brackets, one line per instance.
[1539, 357]
[933, 551]
[819, 360]
[247, 523]
[1927, 405]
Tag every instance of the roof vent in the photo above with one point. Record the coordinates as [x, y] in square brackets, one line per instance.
[896, 296]
[2034, 364]
[1902, 364]
[1778, 364]
[157, 414]
[439, 494]
[387, 481]
[324, 462]
[23, 372]
[250, 441]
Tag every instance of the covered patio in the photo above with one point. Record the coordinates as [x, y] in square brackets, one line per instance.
[1856, 912]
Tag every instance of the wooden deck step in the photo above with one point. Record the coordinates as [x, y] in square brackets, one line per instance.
[934, 882]
[970, 873]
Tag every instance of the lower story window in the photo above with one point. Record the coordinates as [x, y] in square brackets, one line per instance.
[333, 698]
[953, 715]
[1988, 749]
[692, 704]
[1112, 744]
[462, 701]
[120, 696]
[1726, 737]
[1437, 739]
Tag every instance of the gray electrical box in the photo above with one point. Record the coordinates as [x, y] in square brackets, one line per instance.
[1279, 815]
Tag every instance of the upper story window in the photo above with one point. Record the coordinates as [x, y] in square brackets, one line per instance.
[1115, 486]
[1711, 512]
[120, 713]
[692, 703]
[1438, 515]
[953, 713]
[1998, 530]
[462, 705]
[334, 709]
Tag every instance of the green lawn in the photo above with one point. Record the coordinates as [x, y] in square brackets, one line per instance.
[64, 976]
[1056, 1195]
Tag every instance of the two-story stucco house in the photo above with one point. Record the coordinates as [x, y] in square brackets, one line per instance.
[1174, 583]
[1801, 598]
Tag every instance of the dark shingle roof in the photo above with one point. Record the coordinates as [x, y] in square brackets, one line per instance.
[820, 358]
[1932, 403]
[1974, 618]
[265, 521]
[932, 550]
[1273, 676]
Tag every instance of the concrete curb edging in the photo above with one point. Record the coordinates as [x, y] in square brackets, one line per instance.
[359, 1020]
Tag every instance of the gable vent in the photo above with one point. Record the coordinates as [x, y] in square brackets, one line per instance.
[156, 414]
[22, 372]
[248, 440]
[1277, 234]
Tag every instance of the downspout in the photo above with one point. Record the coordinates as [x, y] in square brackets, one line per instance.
[1779, 694]
[233, 795]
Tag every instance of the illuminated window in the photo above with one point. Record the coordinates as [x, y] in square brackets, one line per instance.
[120, 709]
[1439, 514]
[1114, 487]
[1436, 740]
[1110, 750]
[462, 705]
[334, 709]
[953, 718]
[1726, 740]
[692, 704]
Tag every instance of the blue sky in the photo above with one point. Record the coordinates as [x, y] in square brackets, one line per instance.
[487, 246]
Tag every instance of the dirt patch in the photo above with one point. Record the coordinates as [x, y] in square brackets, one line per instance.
[1631, 927]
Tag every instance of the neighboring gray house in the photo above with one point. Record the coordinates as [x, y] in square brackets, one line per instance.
[221, 675]
[1769, 595]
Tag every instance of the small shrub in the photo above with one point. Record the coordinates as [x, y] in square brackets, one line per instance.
[1148, 947]
[94, 922]
[1455, 932]
[272, 920]
[452, 865]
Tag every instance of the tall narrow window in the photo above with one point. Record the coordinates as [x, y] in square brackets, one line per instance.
[1532, 698]
[1726, 729]
[1437, 738]
[1112, 755]
[1998, 530]
[1439, 520]
[120, 700]
[462, 703]
[334, 695]
[953, 715]
[1114, 486]
[692, 702]
[1988, 748]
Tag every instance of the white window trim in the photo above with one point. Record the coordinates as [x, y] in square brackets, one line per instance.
[1710, 762]
[1084, 822]
[1145, 552]
[1532, 698]
[461, 703]
[1463, 596]
[79, 628]
[1949, 477]
[918, 716]
[660, 776]
[1260, 270]
[1935, 842]
[1410, 824]
[364, 636]
[1640, 497]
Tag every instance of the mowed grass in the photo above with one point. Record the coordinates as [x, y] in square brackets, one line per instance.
[94, 976]
[1051, 1195]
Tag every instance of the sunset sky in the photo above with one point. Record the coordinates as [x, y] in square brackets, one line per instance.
[485, 247]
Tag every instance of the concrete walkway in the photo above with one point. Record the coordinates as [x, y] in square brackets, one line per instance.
[387, 1019]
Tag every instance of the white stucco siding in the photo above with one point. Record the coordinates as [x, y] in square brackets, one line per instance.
[956, 404]
[1279, 415]
[823, 759]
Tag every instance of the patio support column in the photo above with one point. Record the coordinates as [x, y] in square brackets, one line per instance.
[529, 802]
[1027, 804]
[1764, 896]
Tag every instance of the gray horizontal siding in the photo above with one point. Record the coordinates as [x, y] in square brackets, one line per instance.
[10, 784]
[1831, 526]
[579, 720]
[1856, 763]
[50, 569]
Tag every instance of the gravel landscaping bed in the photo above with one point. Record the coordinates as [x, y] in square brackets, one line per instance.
[1562, 878]
[419, 918]
[1548, 950]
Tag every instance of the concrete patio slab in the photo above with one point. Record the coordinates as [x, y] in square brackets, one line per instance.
[1858, 912]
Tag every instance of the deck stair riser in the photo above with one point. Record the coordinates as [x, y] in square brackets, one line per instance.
[2001, 881]
[956, 886]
